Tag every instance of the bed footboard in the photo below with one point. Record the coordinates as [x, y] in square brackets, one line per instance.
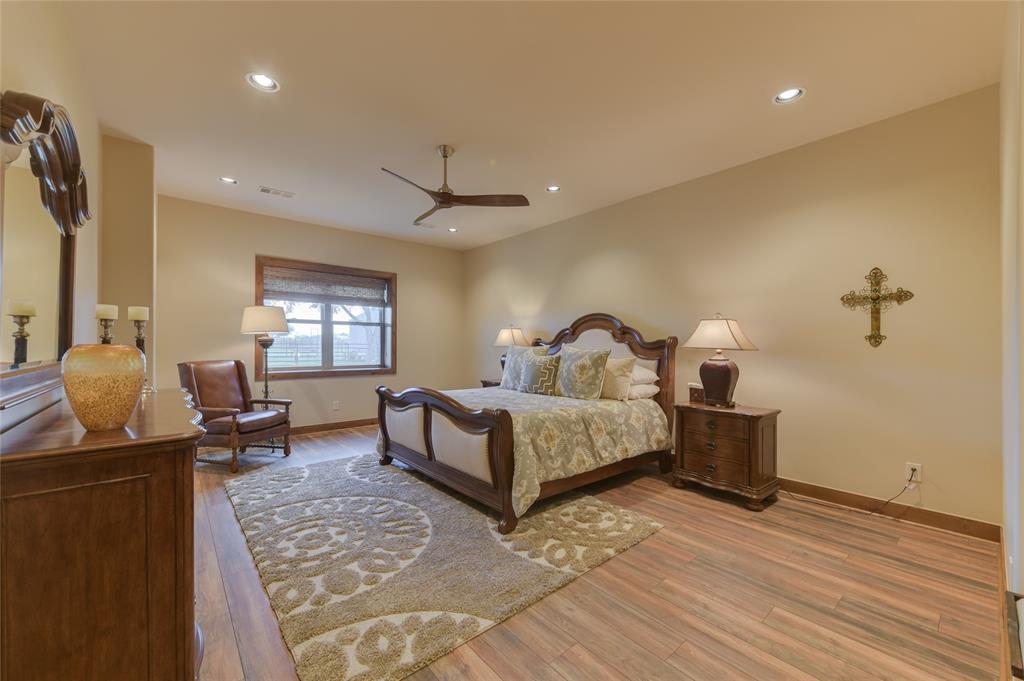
[469, 450]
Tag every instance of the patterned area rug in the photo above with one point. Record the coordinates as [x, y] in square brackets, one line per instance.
[374, 572]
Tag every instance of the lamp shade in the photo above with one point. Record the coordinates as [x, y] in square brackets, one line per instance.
[510, 335]
[719, 334]
[262, 319]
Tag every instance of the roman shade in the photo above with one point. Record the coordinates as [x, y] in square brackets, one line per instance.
[344, 289]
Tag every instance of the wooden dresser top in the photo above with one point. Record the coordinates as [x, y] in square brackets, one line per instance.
[160, 417]
[738, 410]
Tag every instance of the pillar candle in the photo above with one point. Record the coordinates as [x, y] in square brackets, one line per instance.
[138, 312]
[106, 311]
[22, 309]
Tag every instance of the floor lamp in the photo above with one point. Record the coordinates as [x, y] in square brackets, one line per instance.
[261, 321]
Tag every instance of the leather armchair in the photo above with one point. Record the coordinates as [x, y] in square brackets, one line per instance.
[220, 392]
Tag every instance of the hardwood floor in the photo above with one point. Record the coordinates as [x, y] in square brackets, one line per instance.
[801, 590]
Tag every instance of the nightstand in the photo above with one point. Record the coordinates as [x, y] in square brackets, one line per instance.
[490, 383]
[727, 449]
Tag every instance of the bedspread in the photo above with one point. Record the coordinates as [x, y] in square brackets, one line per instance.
[558, 437]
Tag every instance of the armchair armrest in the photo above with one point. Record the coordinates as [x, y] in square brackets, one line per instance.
[210, 413]
[280, 402]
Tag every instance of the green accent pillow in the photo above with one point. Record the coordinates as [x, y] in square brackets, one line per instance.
[540, 374]
[581, 373]
[515, 357]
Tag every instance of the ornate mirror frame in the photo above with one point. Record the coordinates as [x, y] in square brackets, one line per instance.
[45, 129]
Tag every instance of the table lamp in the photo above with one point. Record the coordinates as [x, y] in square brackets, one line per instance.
[509, 335]
[263, 320]
[719, 373]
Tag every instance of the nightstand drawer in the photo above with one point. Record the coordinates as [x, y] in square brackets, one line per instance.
[716, 447]
[720, 470]
[715, 424]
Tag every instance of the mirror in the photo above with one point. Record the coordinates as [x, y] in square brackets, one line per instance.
[31, 272]
[42, 177]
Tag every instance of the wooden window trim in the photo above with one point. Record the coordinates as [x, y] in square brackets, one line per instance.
[263, 261]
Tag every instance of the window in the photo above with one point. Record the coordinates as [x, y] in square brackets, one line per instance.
[340, 320]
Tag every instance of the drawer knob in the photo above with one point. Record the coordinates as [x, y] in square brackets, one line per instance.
[711, 467]
[712, 424]
[711, 445]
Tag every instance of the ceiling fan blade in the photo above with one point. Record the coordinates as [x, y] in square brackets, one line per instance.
[498, 200]
[430, 192]
[426, 215]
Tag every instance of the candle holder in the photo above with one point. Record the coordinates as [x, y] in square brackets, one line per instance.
[105, 337]
[20, 338]
[140, 343]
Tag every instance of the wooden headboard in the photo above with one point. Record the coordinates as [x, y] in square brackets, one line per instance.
[663, 351]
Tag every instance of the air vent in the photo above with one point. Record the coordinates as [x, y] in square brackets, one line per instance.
[276, 192]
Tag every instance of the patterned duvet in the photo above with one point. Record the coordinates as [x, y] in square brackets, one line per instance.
[558, 437]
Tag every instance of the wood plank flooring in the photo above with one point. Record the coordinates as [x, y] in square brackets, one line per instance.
[800, 591]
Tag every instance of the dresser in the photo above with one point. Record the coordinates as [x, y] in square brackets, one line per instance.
[96, 581]
[731, 449]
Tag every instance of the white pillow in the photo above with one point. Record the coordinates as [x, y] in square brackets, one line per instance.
[643, 376]
[643, 392]
[617, 378]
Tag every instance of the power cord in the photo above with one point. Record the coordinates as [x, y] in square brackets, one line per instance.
[877, 511]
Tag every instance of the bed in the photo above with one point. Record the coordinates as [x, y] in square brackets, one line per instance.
[508, 449]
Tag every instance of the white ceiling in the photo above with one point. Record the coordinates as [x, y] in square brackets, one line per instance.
[608, 100]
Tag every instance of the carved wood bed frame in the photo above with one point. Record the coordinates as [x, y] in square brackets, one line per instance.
[496, 424]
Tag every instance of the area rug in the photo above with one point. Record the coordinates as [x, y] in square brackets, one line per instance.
[374, 571]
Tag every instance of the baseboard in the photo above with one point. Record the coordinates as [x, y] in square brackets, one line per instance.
[337, 425]
[915, 514]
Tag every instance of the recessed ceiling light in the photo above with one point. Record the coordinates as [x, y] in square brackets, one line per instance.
[790, 95]
[553, 188]
[453, 229]
[262, 81]
[227, 180]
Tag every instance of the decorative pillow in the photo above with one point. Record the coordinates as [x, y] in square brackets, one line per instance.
[515, 356]
[581, 373]
[643, 376]
[643, 392]
[540, 374]
[617, 377]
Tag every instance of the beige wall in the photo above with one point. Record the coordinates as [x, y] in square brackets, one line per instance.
[128, 246]
[775, 243]
[36, 57]
[31, 268]
[206, 270]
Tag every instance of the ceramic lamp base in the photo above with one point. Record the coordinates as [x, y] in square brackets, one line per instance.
[719, 375]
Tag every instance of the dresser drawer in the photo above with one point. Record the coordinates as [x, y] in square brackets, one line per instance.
[720, 470]
[716, 447]
[715, 424]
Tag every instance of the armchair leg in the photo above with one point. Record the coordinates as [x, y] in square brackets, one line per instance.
[234, 459]
[287, 445]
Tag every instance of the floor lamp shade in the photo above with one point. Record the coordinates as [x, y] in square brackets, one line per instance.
[719, 374]
[264, 319]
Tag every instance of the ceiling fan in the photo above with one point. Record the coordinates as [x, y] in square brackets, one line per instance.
[445, 198]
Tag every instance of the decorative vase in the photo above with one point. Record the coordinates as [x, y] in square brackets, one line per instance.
[103, 383]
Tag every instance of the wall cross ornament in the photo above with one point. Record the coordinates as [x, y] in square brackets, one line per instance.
[876, 298]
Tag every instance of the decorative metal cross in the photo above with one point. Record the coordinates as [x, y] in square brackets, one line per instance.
[876, 298]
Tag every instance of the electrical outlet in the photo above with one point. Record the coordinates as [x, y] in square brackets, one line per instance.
[914, 473]
[335, 405]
